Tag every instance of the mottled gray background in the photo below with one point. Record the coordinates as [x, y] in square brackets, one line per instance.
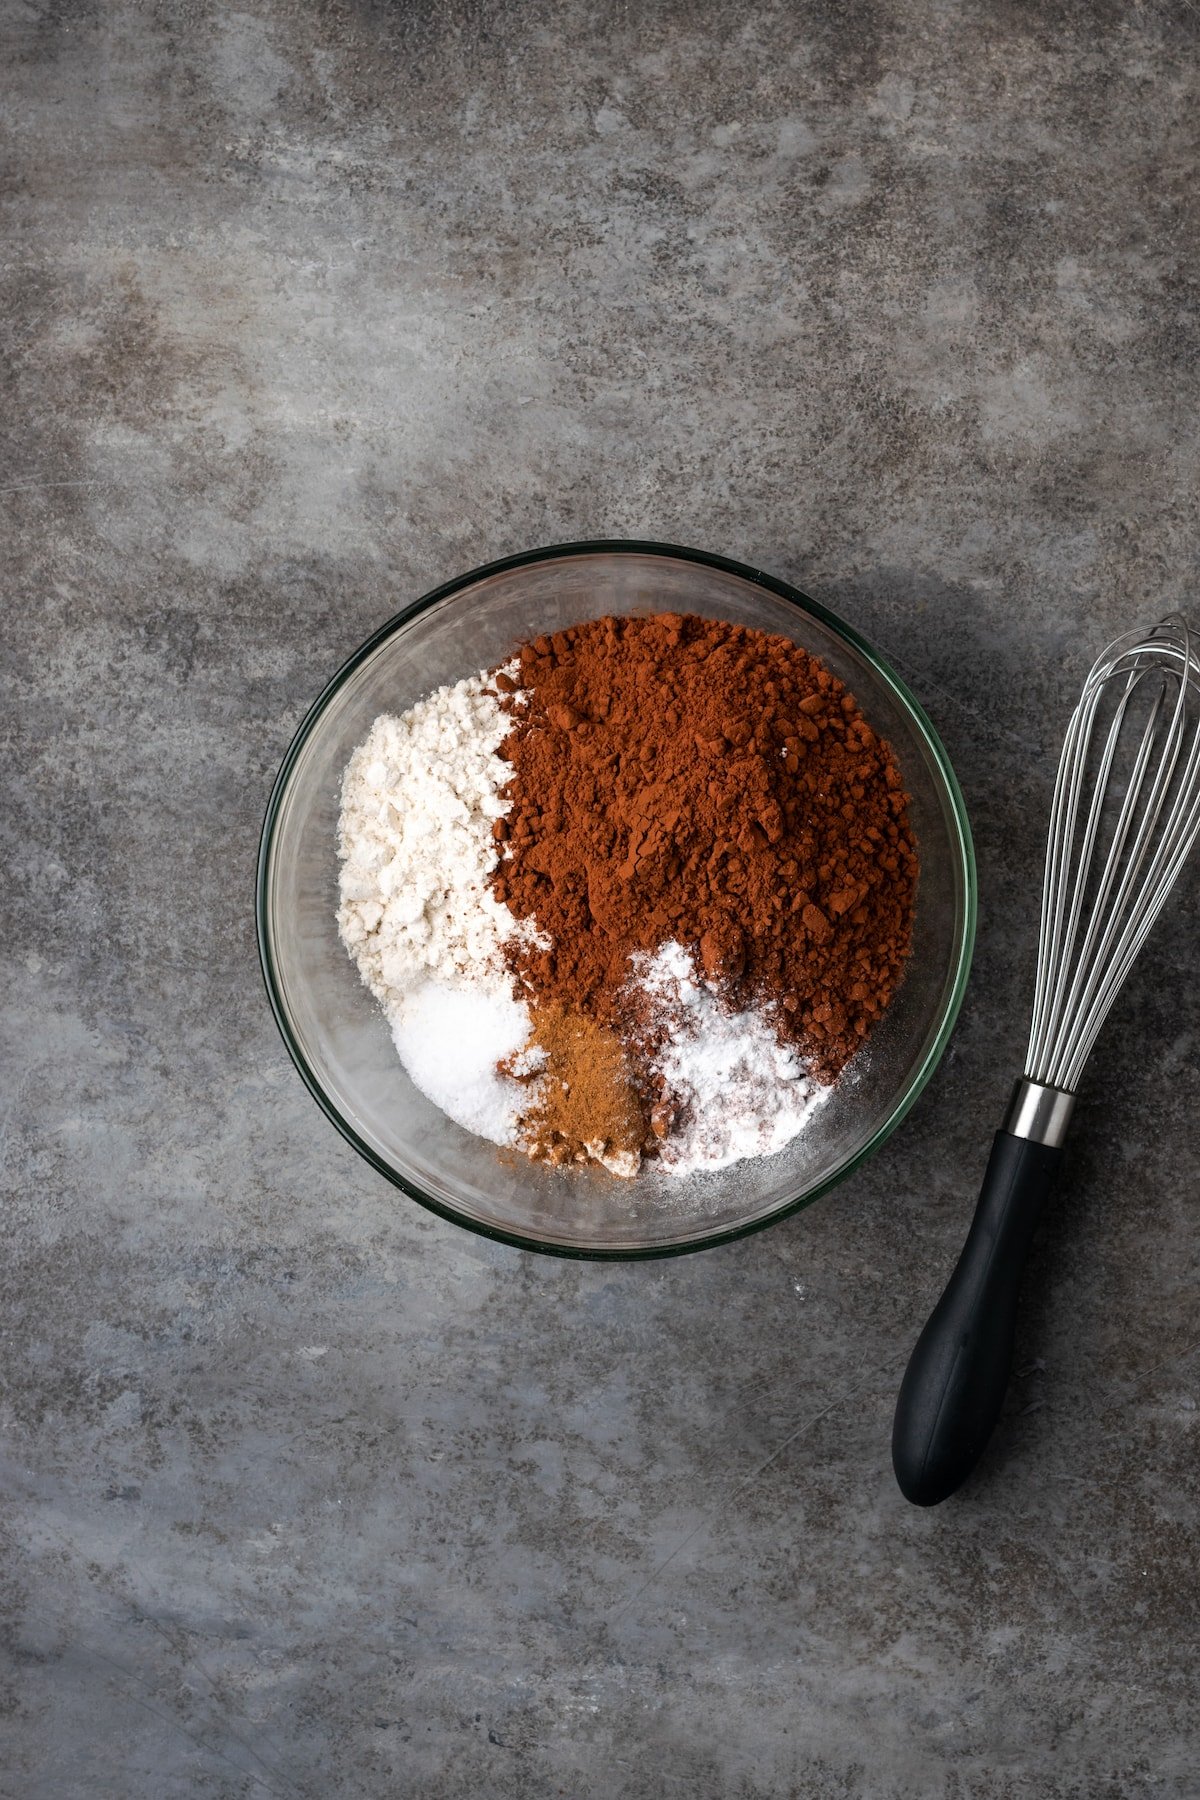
[306, 308]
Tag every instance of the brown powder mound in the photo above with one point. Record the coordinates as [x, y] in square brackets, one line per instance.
[676, 777]
[587, 1106]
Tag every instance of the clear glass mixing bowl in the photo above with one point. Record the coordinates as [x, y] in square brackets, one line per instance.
[339, 1040]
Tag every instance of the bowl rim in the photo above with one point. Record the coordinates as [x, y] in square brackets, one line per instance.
[782, 590]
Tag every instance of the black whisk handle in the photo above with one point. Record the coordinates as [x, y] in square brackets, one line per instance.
[956, 1378]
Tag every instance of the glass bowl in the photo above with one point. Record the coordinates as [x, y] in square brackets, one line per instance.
[339, 1039]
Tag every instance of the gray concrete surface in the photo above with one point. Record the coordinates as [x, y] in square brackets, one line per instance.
[306, 308]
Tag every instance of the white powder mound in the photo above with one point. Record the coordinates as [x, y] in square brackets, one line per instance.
[450, 1040]
[419, 799]
[745, 1094]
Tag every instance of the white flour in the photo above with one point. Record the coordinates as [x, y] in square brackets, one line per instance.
[744, 1094]
[419, 798]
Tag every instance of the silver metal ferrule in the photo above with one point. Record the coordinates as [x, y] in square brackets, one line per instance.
[1039, 1113]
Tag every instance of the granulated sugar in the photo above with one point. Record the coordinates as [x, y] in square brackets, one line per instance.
[450, 1039]
[737, 1091]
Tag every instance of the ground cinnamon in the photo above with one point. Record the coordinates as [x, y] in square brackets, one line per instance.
[586, 1104]
[681, 778]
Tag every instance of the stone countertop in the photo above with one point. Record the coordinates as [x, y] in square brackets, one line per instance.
[307, 308]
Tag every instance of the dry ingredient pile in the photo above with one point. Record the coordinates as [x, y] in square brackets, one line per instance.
[640, 892]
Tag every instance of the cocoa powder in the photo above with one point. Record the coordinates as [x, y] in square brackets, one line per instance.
[680, 778]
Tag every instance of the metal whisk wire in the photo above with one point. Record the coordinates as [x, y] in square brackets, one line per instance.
[1115, 872]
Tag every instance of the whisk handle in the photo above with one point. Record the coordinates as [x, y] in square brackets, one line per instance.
[956, 1378]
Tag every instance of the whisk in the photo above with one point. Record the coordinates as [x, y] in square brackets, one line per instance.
[1126, 812]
